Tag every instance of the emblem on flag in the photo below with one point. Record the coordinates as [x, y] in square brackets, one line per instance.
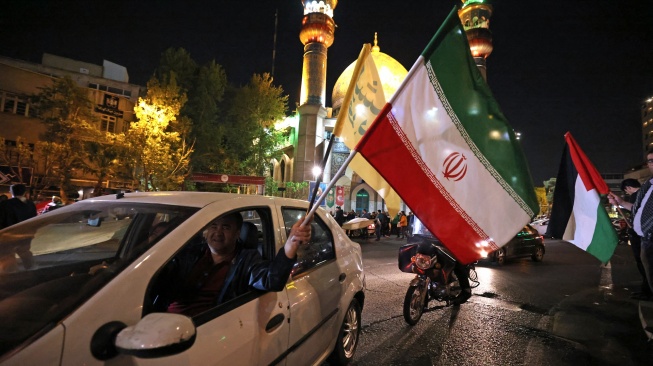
[455, 166]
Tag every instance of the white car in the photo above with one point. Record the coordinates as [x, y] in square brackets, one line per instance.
[80, 285]
[540, 225]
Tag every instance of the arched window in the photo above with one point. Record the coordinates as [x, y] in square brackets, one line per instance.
[362, 201]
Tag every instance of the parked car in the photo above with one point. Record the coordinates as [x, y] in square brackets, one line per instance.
[527, 243]
[80, 285]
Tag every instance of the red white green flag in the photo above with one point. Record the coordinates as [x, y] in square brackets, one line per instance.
[577, 214]
[446, 148]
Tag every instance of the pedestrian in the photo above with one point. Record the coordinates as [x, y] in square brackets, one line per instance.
[12, 211]
[377, 226]
[643, 219]
[394, 223]
[631, 187]
[382, 222]
[403, 225]
[340, 216]
[16, 209]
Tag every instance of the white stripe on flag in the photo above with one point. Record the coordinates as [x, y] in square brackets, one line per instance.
[586, 204]
[434, 138]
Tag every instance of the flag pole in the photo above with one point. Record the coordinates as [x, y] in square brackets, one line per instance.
[338, 174]
[317, 181]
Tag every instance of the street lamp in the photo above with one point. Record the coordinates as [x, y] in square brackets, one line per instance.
[316, 172]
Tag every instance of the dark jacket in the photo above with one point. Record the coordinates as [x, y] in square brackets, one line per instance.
[13, 211]
[248, 271]
[340, 217]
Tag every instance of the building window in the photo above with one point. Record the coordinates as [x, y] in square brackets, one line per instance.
[12, 103]
[108, 123]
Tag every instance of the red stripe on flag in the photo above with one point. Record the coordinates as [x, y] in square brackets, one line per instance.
[588, 174]
[386, 152]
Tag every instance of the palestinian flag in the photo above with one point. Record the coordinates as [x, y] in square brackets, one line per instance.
[577, 215]
[446, 148]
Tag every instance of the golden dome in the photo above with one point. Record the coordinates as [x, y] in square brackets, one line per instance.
[391, 72]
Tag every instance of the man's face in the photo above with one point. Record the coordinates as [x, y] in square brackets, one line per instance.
[649, 162]
[221, 235]
[630, 190]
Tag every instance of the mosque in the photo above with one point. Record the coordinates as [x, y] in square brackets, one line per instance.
[313, 124]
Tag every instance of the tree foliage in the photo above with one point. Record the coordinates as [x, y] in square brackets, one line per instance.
[250, 138]
[158, 154]
[66, 112]
[17, 157]
[231, 127]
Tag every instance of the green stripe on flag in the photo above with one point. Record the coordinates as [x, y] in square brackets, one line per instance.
[476, 112]
[604, 240]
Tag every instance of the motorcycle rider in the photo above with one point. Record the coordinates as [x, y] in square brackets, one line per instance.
[462, 272]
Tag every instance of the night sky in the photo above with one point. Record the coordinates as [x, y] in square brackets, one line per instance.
[579, 66]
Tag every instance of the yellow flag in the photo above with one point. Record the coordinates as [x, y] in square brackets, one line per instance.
[363, 101]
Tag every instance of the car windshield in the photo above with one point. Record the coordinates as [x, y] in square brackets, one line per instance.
[50, 265]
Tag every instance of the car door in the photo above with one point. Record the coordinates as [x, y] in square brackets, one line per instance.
[251, 329]
[314, 292]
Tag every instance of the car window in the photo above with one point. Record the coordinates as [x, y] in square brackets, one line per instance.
[319, 250]
[191, 284]
[53, 263]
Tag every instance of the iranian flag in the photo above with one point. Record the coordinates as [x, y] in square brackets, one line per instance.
[577, 214]
[446, 148]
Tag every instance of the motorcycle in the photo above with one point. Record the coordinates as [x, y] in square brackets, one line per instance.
[434, 278]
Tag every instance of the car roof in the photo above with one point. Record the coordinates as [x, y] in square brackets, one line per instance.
[191, 199]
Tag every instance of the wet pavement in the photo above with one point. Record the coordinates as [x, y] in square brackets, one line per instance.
[600, 325]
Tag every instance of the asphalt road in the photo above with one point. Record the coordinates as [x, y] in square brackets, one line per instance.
[568, 309]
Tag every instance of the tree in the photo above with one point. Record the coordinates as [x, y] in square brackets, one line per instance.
[549, 186]
[250, 138]
[66, 112]
[106, 154]
[17, 156]
[205, 87]
[159, 156]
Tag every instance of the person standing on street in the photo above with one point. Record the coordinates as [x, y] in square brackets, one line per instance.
[12, 211]
[16, 209]
[402, 226]
[642, 210]
[631, 187]
[340, 216]
[394, 229]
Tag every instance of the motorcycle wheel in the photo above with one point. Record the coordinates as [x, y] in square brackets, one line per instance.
[414, 304]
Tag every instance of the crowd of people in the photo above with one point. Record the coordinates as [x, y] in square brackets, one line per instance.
[384, 226]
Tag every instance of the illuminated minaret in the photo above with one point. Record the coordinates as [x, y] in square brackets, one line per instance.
[475, 16]
[317, 35]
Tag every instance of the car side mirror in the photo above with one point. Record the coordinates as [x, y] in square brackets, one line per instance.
[157, 335]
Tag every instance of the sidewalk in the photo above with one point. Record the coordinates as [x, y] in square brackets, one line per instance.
[606, 321]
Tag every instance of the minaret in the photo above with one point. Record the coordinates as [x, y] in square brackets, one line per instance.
[475, 16]
[316, 34]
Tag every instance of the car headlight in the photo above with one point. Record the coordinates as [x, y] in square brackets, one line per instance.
[423, 261]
